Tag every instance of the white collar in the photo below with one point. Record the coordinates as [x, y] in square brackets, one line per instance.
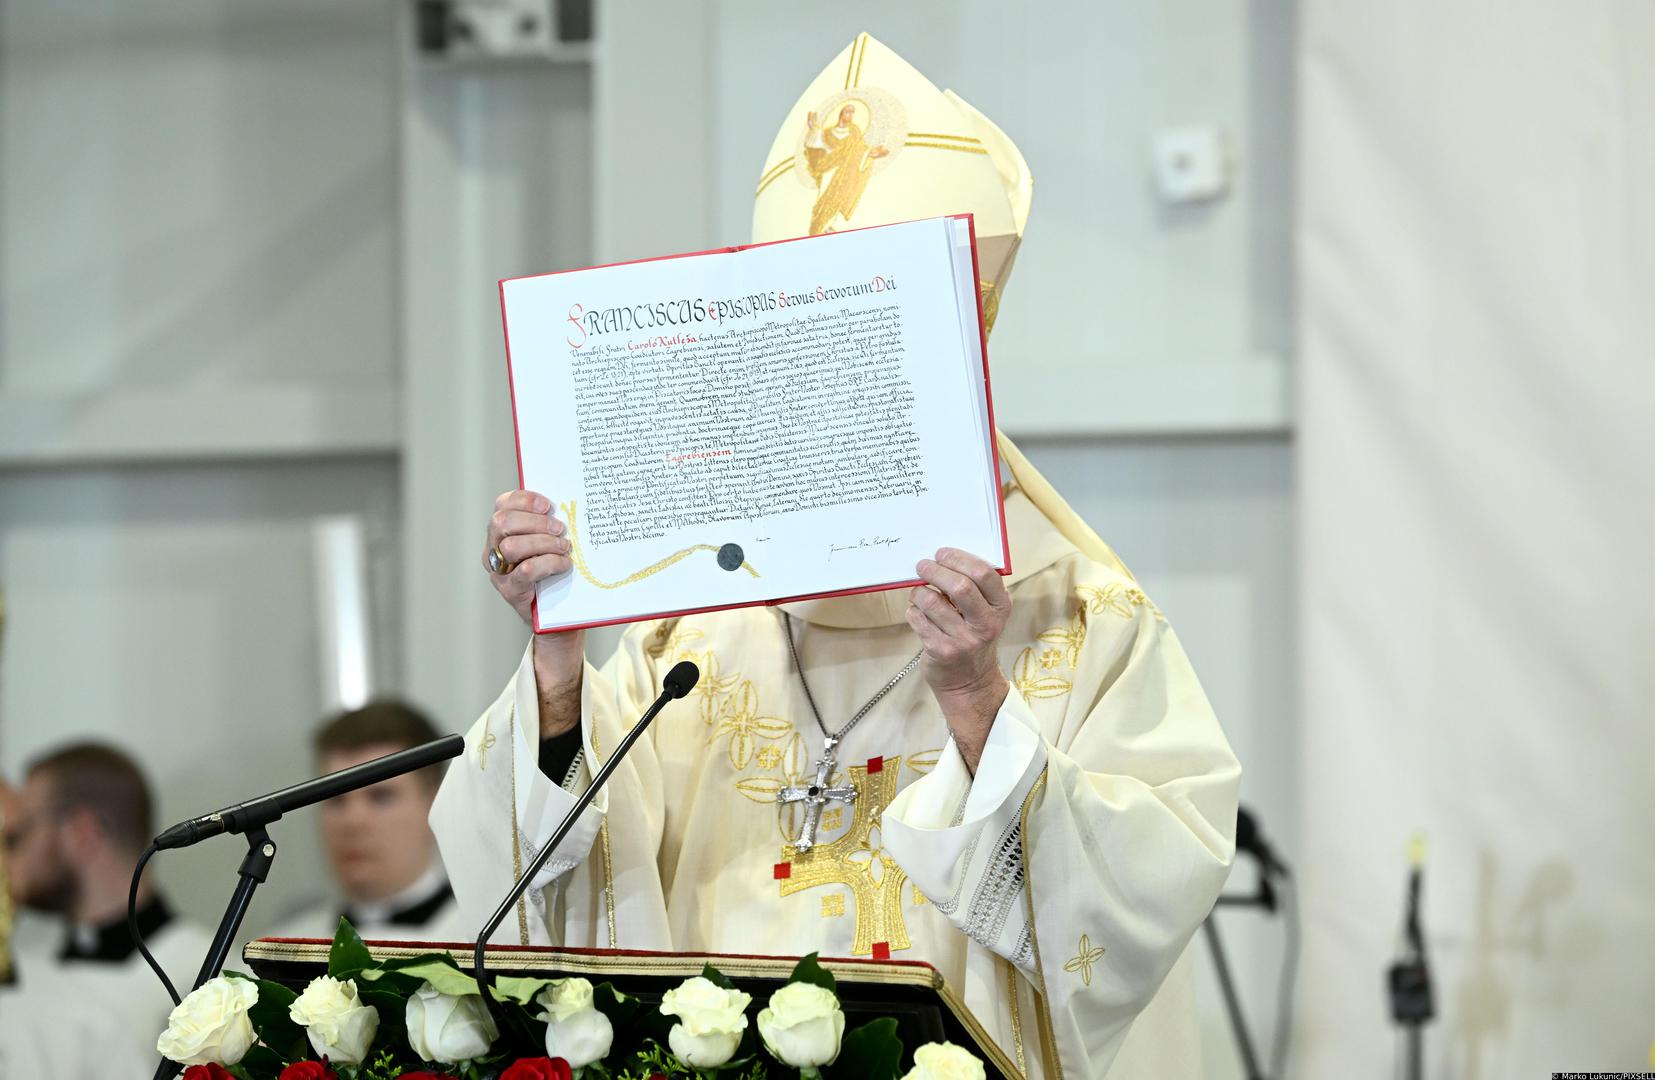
[371, 912]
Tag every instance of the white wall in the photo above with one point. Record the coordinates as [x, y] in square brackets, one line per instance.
[1478, 477]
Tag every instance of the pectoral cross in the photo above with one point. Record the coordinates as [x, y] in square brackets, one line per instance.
[816, 796]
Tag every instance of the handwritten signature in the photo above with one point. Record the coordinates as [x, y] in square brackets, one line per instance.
[866, 543]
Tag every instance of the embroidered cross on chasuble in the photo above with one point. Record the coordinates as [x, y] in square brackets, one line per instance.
[857, 860]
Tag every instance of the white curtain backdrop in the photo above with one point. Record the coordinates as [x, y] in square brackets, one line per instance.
[1476, 230]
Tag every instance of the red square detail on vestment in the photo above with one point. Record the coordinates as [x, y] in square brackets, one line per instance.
[876, 764]
[881, 950]
[782, 870]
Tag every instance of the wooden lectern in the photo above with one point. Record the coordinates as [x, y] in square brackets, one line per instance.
[911, 992]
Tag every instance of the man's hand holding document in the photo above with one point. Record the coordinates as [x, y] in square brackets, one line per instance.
[756, 425]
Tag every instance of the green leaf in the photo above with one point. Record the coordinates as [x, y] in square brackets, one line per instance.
[620, 1008]
[716, 977]
[870, 1052]
[348, 955]
[519, 989]
[393, 1014]
[270, 1019]
[438, 970]
[419, 960]
[808, 970]
[262, 1061]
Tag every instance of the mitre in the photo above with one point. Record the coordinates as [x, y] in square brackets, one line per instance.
[871, 141]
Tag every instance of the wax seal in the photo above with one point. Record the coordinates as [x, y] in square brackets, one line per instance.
[730, 556]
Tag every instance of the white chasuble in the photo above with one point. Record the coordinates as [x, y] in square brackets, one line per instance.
[1055, 890]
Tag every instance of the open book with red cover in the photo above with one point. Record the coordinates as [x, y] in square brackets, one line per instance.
[757, 425]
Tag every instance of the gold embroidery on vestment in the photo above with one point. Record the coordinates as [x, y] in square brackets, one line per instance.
[924, 761]
[603, 840]
[1118, 599]
[833, 905]
[1136, 597]
[858, 860]
[669, 637]
[484, 745]
[1107, 598]
[711, 685]
[1069, 638]
[1084, 961]
[516, 835]
[1013, 996]
[738, 717]
[1027, 676]
[1053, 1065]
[579, 559]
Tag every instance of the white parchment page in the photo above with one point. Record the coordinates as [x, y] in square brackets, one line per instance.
[748, 426]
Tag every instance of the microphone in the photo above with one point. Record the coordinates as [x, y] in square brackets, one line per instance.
[241, 817]
[681, 679]
[678, 682]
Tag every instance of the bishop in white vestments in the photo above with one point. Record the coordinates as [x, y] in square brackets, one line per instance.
[1019, 782]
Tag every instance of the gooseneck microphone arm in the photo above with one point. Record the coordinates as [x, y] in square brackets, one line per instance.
[259, 812]
[679, 681]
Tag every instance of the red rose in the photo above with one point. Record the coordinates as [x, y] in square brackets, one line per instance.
[538, 1069]
[308, 1070]
[207, 1072]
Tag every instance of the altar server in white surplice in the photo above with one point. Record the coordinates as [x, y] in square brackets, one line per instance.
[81, 819]
[1044, 804]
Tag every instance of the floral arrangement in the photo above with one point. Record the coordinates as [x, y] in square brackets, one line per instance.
[422, 1018]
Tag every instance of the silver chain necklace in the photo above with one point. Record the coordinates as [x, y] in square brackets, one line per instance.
[817, 794]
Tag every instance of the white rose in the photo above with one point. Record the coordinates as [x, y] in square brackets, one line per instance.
[945, 1061]
[449, 1028]
[710, 1021]
[340, 1027]
[803, 1026]
[210, 1026]
[575, 1031]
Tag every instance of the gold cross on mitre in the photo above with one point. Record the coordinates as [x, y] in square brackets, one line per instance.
[871, 141]
[857, 859]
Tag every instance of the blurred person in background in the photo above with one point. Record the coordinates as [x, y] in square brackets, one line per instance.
[81, 819]
[381, 852]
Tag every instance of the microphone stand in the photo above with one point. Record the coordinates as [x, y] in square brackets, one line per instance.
[251, 819]
[1264, 898]
[255, 870]
[678, 682]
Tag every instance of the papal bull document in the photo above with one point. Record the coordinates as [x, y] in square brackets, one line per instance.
[757, 425]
